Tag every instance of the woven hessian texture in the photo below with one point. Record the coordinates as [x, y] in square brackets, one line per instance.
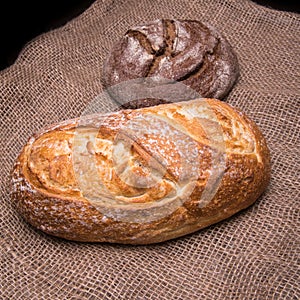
[253, 255]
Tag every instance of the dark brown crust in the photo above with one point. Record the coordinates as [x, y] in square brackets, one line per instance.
[75, 218]
[147, 102]
[186, 51]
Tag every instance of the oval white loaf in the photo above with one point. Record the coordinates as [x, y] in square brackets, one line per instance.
[141, 176]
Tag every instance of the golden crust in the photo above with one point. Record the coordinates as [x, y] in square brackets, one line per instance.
[137, 181]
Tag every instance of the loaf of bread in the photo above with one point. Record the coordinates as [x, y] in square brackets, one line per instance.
[141, 176]
[191, 52]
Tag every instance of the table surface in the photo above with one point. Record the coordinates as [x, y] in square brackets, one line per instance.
[22, 21]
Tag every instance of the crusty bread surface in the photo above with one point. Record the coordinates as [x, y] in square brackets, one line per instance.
[187, 51]
[141, 176]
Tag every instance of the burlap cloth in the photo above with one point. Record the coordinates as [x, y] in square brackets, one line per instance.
[253, 255]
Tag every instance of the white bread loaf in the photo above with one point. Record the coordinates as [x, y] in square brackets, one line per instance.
[141, 176]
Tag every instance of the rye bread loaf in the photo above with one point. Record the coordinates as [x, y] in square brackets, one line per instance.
[186, 51]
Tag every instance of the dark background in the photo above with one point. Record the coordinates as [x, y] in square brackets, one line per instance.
[21, 21]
